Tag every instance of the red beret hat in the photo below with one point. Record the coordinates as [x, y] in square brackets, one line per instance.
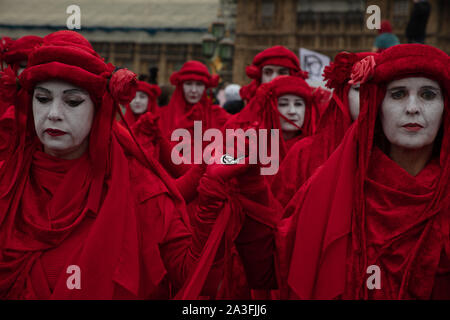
[152, 90]
[194, 70]
[404, 60]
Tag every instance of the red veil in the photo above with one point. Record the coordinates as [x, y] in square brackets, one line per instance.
[45, 200]
[361, 209]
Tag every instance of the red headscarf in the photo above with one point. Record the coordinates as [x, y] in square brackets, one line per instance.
[262, 111]
[360, 208]
[45, 200]
[278, 56]
[153, 92]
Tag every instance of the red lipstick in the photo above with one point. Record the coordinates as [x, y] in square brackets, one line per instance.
[55, 132]
[414, 127]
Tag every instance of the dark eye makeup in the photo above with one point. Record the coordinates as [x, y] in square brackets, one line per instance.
[428, 93]
[42, 98]
[398, 94]
[74, 102]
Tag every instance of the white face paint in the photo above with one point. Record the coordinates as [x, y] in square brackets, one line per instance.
[293, 108]
[193, 91]
[139, 104]
[353, 101]
[411, 112]
[270, 72]
[63, 116]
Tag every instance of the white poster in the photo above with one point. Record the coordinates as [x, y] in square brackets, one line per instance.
[313, 62]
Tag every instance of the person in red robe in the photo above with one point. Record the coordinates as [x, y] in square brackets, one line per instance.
[84, 212]
[142, 118]
[269, 64]
[310, 153]
[373, 221]
[145, 101]
[190, 102]
[286, 104]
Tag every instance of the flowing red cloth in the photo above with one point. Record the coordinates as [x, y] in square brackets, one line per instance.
[114, 212]
[278, 56]
[361, 208]
[153, 92]
[310, 153]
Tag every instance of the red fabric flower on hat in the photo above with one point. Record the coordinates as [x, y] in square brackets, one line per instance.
[123, 86]
[338, 72]
[363, 70]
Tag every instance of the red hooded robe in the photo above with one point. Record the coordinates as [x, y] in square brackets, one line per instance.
[361, 208]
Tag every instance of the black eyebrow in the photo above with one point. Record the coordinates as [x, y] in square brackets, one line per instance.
[430, 87]
[397, 88]
[75, 90]
[44, 89]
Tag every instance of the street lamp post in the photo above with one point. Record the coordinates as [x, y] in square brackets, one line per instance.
[218, 49]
